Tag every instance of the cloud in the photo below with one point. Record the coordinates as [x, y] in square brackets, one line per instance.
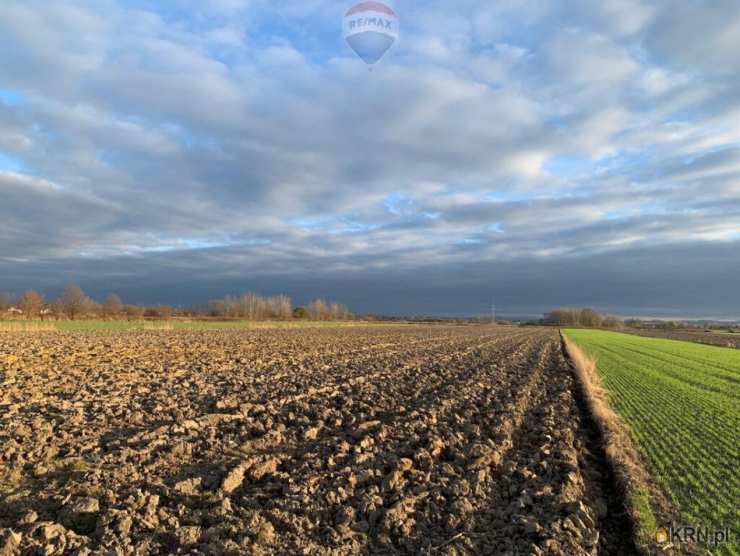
[691, 36]
[244, 137]
[41, 220]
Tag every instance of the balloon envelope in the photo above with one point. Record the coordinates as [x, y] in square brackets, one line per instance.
[370, 29]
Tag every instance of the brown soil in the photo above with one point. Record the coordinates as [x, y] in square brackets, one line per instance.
[417, 440]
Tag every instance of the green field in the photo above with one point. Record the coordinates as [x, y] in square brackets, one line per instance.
[681, 401]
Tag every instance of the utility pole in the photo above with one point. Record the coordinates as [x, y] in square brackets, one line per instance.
[493, 313]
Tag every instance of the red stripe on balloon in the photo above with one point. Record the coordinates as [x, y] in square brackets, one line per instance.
[371, 6]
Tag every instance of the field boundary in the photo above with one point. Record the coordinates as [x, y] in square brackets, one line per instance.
[178, 324]
[661, 335]
[699, 341]
[644, 501]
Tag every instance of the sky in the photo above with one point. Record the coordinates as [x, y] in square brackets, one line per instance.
[527, 154]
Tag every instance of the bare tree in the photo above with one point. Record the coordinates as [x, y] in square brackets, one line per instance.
[326, 310]
[337, 311]
[74, 301]
[612, 322]
[590, 318]
[6, 302]
[562, 317]
[133, 312]
[280, 307]
[92, 307]
[217, 308]
[31, 303]
[57, 310]
[251, 306]
[165, 312]
[318, 310]
[113, 306]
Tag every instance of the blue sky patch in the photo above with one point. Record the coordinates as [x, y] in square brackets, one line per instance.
[9, 163]
[9, 97]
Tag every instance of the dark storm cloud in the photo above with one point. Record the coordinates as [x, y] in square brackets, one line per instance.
[646, 280]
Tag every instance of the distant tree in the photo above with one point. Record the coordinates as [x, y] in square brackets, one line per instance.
[634, 323]
[57, 310]
[6, 302]
[216, 308]
[113, 306]
[133, 312]
[74, 301]
[326, 310]
[612, 322]
[590, 318]
[280, 307]
[165, 312]
[91, 307]
[562, 317]
[318, 310]
[251, 306]
[337, 311]
[31, 303]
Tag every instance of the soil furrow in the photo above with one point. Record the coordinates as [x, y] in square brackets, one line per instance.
[413, 440]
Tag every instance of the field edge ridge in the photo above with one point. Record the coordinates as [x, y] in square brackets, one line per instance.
[641, 497]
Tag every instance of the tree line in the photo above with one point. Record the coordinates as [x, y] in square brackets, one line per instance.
[587, 318]
[591, 318]
[250, 306]
[75, 304]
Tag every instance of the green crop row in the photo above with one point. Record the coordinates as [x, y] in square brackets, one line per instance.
[681, 402]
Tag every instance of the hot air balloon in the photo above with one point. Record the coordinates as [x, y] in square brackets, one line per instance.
[370, 29]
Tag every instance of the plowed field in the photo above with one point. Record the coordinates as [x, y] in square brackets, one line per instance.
[403, 440]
